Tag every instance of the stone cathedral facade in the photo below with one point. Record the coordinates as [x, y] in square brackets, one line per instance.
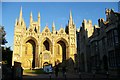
[34, 48]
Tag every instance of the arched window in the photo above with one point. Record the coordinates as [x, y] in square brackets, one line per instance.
[46, 45]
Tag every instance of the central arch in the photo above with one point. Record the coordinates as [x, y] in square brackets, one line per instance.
[46, 44]
[46, 51]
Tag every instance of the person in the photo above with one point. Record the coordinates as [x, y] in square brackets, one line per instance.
[64, 70]
[13, 72]
[56, 70]
[19, 73]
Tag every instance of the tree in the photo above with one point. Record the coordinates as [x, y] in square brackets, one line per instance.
[3, 33]
[6, 52]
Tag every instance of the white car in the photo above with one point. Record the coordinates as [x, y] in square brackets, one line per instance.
[48, 68]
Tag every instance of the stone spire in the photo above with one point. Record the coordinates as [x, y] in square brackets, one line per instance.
[53, 27]
[70, 15]
[31, 18]
[20, 17]
[39, 18]
[39, 15]
[16, 22]
[70, 18]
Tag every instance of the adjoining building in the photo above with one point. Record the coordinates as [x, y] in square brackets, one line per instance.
[99, 46]
[112, 29]
[34, 48]
[83, 35]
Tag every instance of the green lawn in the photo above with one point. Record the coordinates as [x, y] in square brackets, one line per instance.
[35, 71]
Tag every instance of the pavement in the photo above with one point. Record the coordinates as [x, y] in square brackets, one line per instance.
[69, 76]
[60, 75]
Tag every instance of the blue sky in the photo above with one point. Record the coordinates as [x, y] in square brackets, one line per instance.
[52, 11]
[0, 13]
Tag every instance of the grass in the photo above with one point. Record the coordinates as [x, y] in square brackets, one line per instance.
[35, 71]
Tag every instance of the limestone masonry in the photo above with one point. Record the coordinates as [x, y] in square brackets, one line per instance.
[34, 48]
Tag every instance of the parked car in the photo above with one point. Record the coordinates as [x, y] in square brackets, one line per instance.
[48, 68]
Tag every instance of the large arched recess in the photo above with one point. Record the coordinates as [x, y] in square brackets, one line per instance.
[46, 50]
[46, 44]
[30, 52]
[61, 44]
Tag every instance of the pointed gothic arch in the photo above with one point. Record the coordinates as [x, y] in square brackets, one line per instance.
[30, 52]
[46, 44]
[61, 49]
[30, 38]
[62, 39]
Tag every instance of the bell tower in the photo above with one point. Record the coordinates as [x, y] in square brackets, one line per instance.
[19, 29]
[72, 36]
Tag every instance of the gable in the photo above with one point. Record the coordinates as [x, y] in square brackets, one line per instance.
[61, 31]
[46, 30]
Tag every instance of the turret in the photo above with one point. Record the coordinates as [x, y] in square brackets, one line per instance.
[20, 17]
[31, 18]
[71, 25]
[70, 19]
[19, 23]
[72, 36]
[107, 12]
[100, 22]
[38, 21]
[16, 22]
[53, 28]
[39, 18]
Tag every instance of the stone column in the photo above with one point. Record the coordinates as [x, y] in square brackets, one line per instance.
[41, 54]
[23, 53]
[67, 52]
[53, 53]
[36, 56]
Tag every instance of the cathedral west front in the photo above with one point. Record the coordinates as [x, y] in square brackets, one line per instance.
[34, 48]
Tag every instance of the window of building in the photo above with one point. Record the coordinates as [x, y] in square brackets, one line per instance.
[112, 59]
[116, 37]
[103, 45]
[110, 38]
[96, 46]
[46, 45]
[116, 40]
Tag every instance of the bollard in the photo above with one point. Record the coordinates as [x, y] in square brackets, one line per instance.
[93, 75]
[107, 74]
[65, 76]
[80, 75]
[50, 76]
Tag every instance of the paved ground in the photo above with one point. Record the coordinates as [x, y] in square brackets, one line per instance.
[69, 76]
